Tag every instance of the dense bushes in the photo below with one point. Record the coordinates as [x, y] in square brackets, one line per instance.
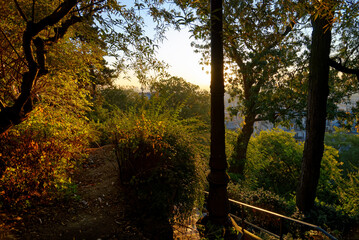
[260, 198]
[272, 171]
[39, 155]
[161, 162]
[348, 146]
[274, 162]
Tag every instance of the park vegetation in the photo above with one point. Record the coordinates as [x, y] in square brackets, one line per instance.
[58, 98]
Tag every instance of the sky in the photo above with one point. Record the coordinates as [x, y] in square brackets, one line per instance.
[179, 54]
[176, 51]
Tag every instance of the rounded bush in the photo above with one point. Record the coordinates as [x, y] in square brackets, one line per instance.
[159, 160]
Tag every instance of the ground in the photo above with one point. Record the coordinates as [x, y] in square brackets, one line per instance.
[98, 211]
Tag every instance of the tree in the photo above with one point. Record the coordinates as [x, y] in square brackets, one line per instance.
[262, 60]
[33, 30]
[348, 147]
[189, 98]
[34, 47]
[218, 205]
[318, 91]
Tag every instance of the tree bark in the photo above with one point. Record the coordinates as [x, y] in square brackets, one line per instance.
[217, 202]
[241, 146]
[316, 114]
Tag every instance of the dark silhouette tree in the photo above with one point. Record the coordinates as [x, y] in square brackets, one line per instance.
[262, 61]
[218, 206]
[318, 92]
[323, 20]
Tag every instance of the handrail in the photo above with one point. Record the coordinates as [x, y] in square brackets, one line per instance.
[281, 217]
[255, 226]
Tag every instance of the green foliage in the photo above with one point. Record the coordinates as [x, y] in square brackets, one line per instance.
[39, 156]
[121, 98]
[114, 99]
[192, 101]
[349, 194]
[159, 158]
[331, 218]
[275, 156]
[274, 163]
[348, 146]
[348, 187]
[210, 231]
[260, 198]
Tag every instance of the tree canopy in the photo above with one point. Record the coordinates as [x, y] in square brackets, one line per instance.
[41, 40]
[192, 101]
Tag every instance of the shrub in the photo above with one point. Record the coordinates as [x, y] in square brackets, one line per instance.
[274, 159]
[331, 218]
[348, 191]
[263, 199]
[348, 146]
[274, 162]
[38, 157]
[160, 159]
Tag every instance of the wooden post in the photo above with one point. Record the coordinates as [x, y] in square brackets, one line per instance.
[218, 206]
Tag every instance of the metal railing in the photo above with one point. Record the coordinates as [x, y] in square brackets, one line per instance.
[281, 219]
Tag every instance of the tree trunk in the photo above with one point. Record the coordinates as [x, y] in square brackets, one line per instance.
[217, 202]
[11, 116]
[34, 55]
[243, 138]
[316, 114]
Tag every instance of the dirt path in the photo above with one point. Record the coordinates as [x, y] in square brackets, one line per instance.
[99, 212]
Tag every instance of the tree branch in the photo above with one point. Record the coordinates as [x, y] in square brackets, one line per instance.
[13, 48]
[40, 55]
[54, 17]
[61, 31]
[343, 69]
[91, 6]
[33, 11]
[10, 116]
[20, 10]
[2, 105]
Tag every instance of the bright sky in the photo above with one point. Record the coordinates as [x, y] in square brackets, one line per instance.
[179, 54]
[176, 50]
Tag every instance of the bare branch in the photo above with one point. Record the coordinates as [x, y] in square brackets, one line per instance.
[343, 69]
[20, 10]
[33, 10]
[351, 53]
[7, 39]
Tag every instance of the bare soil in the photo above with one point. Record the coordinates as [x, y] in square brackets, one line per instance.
[98, 211]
